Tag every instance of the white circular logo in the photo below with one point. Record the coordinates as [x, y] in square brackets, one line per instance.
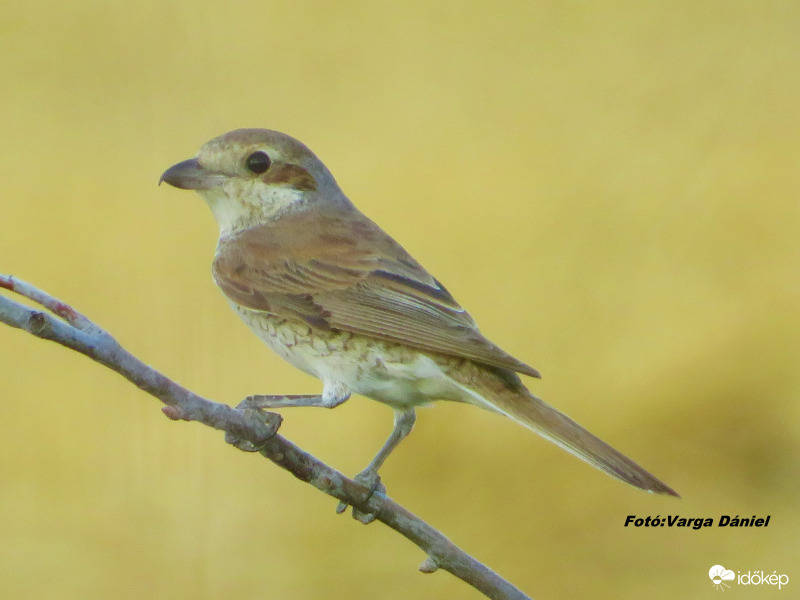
[719, 575]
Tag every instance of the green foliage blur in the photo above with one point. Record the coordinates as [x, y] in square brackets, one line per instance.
[610, 188]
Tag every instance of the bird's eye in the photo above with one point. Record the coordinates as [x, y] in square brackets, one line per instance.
[258, 162]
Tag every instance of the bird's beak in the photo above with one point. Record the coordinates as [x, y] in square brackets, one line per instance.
[190, 175]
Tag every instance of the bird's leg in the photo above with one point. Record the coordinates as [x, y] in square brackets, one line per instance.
[292, 400]
[403, 424]
[258, 403]
[369, 478]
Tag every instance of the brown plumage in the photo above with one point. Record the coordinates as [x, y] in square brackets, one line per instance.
[334, 268]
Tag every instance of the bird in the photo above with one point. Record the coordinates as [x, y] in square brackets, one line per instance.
[334, 295]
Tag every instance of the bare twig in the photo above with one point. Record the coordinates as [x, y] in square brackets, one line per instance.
[77, 332]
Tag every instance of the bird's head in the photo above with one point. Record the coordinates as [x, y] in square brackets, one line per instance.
[250, 176]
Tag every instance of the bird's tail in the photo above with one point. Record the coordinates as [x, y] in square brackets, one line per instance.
[508, 395]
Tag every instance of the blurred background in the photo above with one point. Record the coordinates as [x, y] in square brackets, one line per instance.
[611, 189]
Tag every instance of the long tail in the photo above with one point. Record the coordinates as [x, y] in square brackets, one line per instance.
[516, 402]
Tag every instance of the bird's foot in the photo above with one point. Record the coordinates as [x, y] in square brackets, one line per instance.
[370, 479]
[260, 419]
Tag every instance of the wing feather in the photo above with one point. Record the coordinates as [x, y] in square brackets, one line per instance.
[339, 270]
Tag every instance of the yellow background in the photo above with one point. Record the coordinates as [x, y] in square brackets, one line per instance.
[611, 189]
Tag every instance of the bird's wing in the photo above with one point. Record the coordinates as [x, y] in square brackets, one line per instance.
[338, 270]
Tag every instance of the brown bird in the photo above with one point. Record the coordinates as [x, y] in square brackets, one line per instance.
[337, 297]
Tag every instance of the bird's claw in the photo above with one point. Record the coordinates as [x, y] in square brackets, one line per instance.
[261, 418]
[372, 481]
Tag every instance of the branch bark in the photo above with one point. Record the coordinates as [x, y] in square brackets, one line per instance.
[72, 329]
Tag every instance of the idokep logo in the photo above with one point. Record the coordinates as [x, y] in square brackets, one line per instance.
[719, 576]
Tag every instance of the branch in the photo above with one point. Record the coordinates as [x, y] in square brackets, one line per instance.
[72, 329]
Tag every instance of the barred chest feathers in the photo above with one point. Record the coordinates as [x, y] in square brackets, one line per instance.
[384, 371]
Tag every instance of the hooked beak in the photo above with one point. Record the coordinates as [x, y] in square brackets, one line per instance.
[190, 175]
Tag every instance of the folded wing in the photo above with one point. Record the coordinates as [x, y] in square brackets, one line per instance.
[338, 270]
